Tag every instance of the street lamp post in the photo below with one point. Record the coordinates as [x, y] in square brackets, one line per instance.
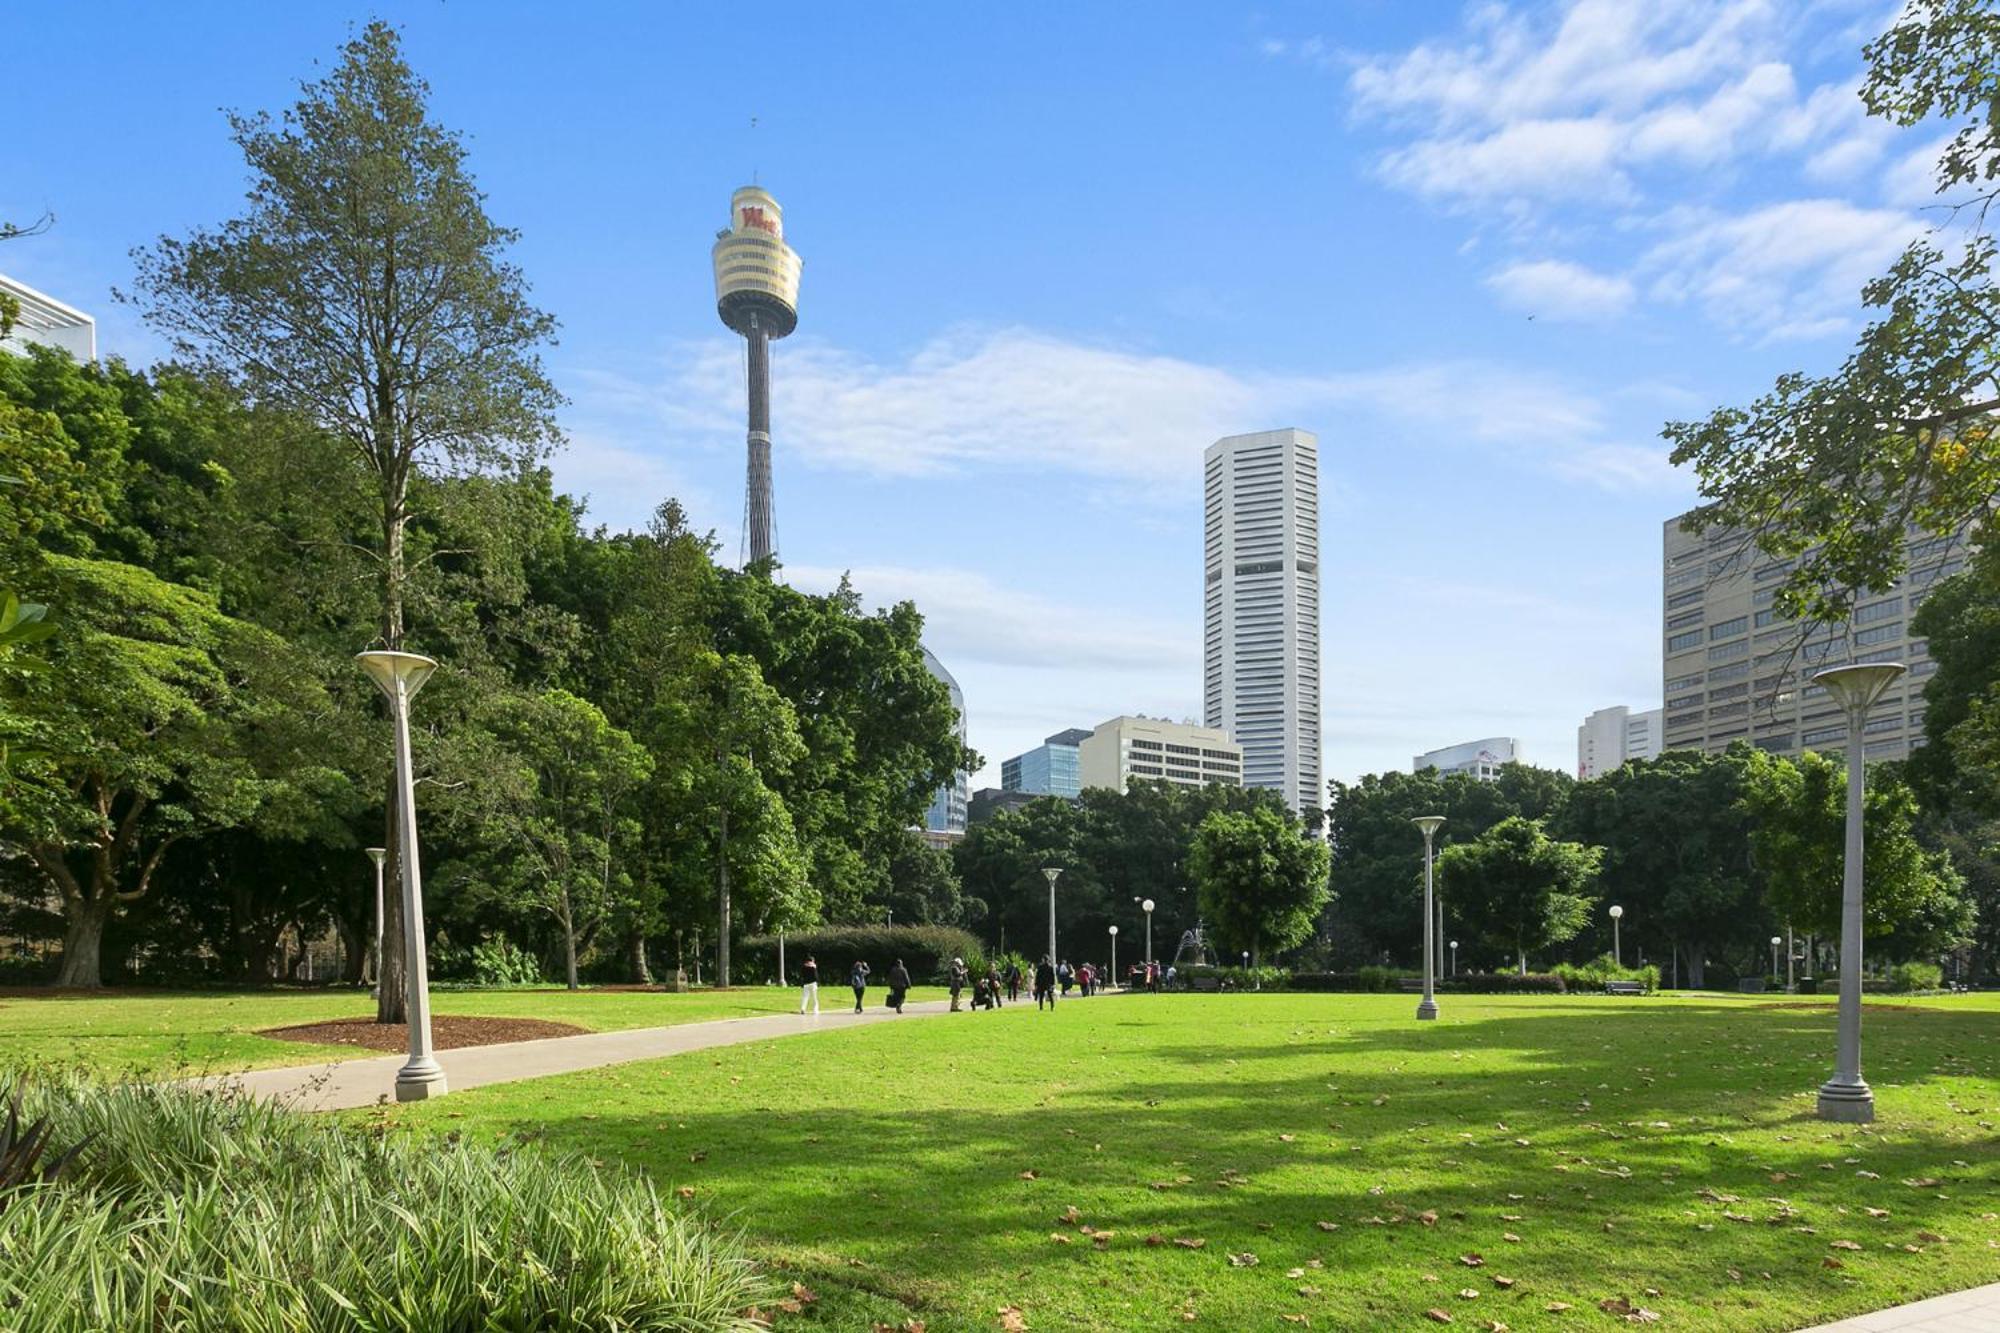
[1454, 958]
[1114, 956]
[1791, 960]
[1846, 1096]
[1776, 940]
[1053, 873]
[399, 676]
[1427, 1008]
[378, 855]
[1617, 954]
[1148, 906]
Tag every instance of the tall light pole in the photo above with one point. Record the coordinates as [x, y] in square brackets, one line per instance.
[1454, 958]
[400, 676]
[1791, 960]
[1114, 955]
[1148, 906]
[378, 855]
[1427, 1008]
[1846, 1096]
[1617, 954]
[1052, 873]
[1776, 940]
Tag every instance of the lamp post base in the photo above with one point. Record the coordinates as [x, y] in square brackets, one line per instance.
[420, 1082]
[1848, 1103]
[1427, 1009]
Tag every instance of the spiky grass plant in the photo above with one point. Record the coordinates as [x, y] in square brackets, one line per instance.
[207, 1213]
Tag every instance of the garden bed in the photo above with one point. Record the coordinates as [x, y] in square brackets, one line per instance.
[449, 1032]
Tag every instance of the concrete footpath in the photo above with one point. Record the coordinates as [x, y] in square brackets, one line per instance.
[345, 1084]
[1975, 1311]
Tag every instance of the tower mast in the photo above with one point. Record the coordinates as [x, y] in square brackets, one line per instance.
[756, 295]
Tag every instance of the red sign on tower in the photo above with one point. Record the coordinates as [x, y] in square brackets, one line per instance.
[753, 216]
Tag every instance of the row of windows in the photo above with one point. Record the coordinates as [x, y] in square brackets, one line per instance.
[1676, 642]
[1728, 651]
[1728, 627]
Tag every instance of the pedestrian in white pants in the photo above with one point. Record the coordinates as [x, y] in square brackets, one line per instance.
[809, 990]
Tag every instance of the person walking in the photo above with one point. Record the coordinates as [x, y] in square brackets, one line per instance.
[993, 985]
[1065, 977]
[809, 985]
[1045, 984]
[1013, 981]
[956, 979]
[899, 985]
[858, 978]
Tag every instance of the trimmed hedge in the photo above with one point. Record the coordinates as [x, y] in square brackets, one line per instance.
[925, 950]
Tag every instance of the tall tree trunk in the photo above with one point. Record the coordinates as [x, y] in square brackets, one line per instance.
[83, 942]
[354, 943]
[1697, 967]
[641, 973]
[569, 941]
[392, 996]
[722, 934]
[1523, 956]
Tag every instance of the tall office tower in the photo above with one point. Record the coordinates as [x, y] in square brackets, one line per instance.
[1734, 669]
[757, 295]
[1260, 608]
[945, 820]
[1610, 737]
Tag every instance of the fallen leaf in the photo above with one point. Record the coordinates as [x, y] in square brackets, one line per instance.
[803, 1294]
[1437, 1316]
[1189, 1242]
[1472, 1260]
[1468, 1294]
[1556, 1307]
[685, 1191]
[1029, 1175]
[1831, 1262]
[1295, 1319]
[1069, 1216]
[1502, 1282]
[1929, 1237]
[1876, 1212]
[1288, 1138]
[1327, 1226]
[1428, 1217]
[1927, 1183]
[1059, 1238]
[1011, 1320]
[1510, 1237]
[1846, 1245]
[1243, 1260]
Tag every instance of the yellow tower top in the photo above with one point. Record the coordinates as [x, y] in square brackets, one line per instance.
[756, 273]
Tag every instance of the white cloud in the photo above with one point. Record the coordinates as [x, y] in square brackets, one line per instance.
[1790, 270]
[1558, 290]
[1021, 400]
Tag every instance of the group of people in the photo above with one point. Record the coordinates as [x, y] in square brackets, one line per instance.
[1049, 980]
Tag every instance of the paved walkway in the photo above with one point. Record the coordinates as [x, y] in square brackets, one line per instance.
[345, 1084]
[1975, 1311]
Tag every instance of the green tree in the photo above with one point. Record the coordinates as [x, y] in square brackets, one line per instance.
[564, 780]
[1262, 881]
[1914, 902]
[1959, 769]
[161, 719]
[1833, 471]
[1676, 834]
[365, 290]
[1518, 889]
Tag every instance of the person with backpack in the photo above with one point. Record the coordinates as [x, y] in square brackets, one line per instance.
[858, 978]
[1013, 981]
[1045, 984]
[809, 985]
[992, 986]
[956, 978]
[899, 985]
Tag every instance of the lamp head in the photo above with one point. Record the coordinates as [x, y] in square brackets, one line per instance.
[1857, 687]
[1454, 944]
[1114, 932]
[1147, 905]
[387, 669]
[1776, 940]
[1616, 911]
[1429, 824]
[1054, 873]
[378, 855]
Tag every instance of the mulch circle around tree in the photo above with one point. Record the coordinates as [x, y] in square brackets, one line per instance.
[448, 1032]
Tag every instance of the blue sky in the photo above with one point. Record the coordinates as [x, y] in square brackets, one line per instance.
[1054, 250]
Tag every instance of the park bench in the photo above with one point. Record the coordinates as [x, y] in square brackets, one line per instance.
[1205, 983]
[1412, 984]
[1624, 988]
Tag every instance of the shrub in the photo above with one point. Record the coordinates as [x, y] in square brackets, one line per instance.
[1906, 977]
[926, 950]
[495, 962]
[208, 1211]
[1591, 976]
[1504, 983]
[1376, 979]
[1237, 978]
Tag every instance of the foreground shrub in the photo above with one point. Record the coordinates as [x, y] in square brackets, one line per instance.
[1907, 977]
[1591, 976]
[194, 1211]
[926, 950]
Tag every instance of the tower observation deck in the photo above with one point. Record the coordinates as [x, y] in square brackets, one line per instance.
[757, 296]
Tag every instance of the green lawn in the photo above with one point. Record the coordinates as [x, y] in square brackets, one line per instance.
[151, 1031]
[1337, 1160]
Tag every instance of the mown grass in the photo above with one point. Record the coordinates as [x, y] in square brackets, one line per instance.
[152, 1031]
[1660, 1151]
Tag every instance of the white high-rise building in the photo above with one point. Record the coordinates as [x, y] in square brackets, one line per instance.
[1611, 736]
[1479, 759]
[47, 321]
[1260, 608]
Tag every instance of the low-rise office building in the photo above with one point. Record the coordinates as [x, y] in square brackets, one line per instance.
[1050, 769]
[1154, 748]
[1480, 759]
[46, 321]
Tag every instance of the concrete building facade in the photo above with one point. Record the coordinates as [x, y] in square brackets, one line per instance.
[1148, 747]
[1613, 736]
[1480, 759]
[1050, 769]
[48, 322]
[1260, 608]
[1734, 669]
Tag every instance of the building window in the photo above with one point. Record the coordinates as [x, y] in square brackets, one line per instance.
[1677, 642]
[1879, 634]
[1724, 652]
[1737, 672]
[1679, 683]
[1681, 599]
[1820, 734]
[1729, 627]
[1875, 611]
[1684, 619]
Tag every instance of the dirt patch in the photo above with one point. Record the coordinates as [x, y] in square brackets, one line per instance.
[448, 1032]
